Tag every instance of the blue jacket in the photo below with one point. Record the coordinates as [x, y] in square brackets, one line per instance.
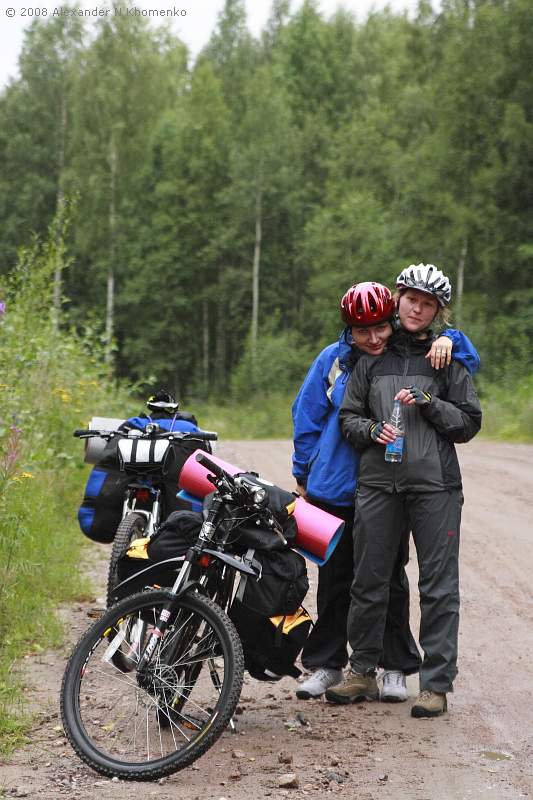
[323, 461]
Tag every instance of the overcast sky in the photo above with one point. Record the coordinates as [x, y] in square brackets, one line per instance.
[194, 27]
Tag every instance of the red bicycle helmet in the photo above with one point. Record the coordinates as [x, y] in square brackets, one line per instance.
[367, 303]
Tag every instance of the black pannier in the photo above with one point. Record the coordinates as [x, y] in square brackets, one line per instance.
[267, 613]
[282, 584]
[175, 535]
[171, 541]
[271, 645]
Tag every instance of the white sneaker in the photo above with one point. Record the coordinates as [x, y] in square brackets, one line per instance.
[393, 687]
[317, 683]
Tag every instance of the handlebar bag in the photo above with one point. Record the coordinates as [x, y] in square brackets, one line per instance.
[143, 455]
[245, 529]
[280, 501]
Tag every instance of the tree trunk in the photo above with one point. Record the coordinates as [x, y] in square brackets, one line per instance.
[460, 284]
[255, 276]
[60, 212]
[219, 371]
[110, 305]
[205, 345]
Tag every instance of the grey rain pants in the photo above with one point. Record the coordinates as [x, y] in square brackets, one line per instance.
[434, 519]
[327, 642]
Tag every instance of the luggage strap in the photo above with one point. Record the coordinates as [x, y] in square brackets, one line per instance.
[248, 558]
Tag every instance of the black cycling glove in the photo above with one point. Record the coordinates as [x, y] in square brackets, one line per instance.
[376, 430]
[421, 398]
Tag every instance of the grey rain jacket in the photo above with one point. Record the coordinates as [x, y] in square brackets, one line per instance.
[429, 461]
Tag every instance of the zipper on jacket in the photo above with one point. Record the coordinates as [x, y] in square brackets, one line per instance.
[405, 371]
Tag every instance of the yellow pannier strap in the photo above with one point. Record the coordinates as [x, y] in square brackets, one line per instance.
[138, 547]
[291, 621]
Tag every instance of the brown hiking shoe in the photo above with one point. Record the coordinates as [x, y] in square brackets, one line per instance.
[356, 686]
[429, 704]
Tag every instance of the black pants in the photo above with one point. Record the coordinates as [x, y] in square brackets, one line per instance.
[327, 643]
[380, 519]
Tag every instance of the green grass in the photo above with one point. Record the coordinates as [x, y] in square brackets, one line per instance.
[507, 414]
[268, 417]
[52, 383]
[40, 550]
[508, 410]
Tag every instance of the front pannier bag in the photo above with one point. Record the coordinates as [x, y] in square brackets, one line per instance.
[282, 586]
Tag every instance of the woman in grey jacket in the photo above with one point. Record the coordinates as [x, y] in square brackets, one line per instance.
[423, 492]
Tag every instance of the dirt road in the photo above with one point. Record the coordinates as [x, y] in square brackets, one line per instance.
[482, 748]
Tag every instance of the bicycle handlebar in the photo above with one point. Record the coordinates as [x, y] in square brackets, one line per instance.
[214, 468]
[205, 436]
[208, 436]
[238, 486]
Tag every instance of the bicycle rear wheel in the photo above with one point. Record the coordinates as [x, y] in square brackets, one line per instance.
[142, 725]
[131, 527]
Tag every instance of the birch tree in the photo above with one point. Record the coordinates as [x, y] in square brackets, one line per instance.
[127, 79]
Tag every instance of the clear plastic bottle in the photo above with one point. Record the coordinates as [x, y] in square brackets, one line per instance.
[394, 450]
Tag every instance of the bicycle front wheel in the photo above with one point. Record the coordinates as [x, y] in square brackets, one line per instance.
[144, 724]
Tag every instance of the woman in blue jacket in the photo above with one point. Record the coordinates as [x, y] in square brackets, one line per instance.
[326, 466]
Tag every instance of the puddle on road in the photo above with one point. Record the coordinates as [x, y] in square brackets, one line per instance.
[496, 755]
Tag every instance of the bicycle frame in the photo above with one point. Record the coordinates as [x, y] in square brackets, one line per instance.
[153, 516]
[200, 553]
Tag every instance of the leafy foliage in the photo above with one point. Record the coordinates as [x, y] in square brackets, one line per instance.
[51, 384]
[260, 181]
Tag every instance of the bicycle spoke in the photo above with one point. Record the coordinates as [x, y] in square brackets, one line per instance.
[160, 718]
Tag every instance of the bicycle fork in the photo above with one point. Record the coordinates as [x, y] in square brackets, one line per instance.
[205, 536]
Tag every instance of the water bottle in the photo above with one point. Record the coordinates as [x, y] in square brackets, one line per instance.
[394, 450]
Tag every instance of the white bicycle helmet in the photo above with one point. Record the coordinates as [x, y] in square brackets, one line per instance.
[426, 278]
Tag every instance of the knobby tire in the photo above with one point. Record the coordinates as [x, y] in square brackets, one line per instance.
[131, 527]
[143, 726]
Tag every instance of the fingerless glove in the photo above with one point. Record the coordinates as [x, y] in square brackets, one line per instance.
[376, 430]
[421, 398]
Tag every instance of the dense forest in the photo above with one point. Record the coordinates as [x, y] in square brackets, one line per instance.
[219, 209]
